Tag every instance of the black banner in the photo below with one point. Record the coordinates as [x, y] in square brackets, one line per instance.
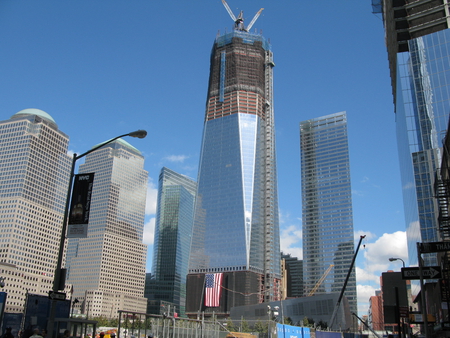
[80, 205]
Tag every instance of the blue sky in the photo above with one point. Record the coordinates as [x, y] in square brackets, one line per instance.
[105, 68]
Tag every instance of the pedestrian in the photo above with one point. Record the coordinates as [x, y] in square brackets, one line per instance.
[8, 333]
[36, 334]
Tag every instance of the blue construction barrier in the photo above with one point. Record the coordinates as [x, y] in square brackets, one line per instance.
[326, 334]
[289, 331]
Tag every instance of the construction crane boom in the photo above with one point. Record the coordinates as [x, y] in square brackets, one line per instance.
[254, 19]
[365, 324]
[239, 21]
[229, 10]
[319, 282]
[336, 308]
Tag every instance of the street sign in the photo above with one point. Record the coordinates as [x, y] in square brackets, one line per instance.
[57, 295]
[434, 247]
[404, 311]
[428, 272]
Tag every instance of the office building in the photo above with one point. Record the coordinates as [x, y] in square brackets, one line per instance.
[236, 226]
[375, 317]
[294, 276]
[34, 176]
[173, 229]
[418, 44]
[107, 268]
[327, 216]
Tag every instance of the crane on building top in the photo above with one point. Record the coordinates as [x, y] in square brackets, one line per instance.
[319, 282]
[239, 21]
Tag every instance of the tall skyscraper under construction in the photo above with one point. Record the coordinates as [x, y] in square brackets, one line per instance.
[107, 268]
[236, 227]
[327, 216]
[34, 175]
[418, 45]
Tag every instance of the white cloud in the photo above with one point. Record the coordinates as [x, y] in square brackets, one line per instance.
[377, 254]
[364, 294]
[357, 192]
[176, 158]
[414, 232]
[152, 197]
[409, 185]
[149, 231]
[366, 276]
[375, 261]
[290, 241]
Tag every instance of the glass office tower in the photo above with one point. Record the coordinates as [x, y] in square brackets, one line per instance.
[34, 176]
[327, 216]
[236, 226]
[172, 244]
[418, 44]
[107, 269]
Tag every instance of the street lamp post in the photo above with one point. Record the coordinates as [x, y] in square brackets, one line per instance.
[392, 259]
[57, 276]
[400, 320]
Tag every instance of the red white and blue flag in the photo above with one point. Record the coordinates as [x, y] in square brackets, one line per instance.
[213, 289]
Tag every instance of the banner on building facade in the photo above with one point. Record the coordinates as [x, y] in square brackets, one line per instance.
[80, 206]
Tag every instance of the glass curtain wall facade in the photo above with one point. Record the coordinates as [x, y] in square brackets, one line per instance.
[173, 230]
[328, 238]
[107, 269]
[34, 176]
[236, 226]
[418, 45]
[422, 110]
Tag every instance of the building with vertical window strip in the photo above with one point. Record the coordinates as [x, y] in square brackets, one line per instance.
[107, 269]
[236, 225]
[418, 45]
[34, 176]
[173, 229]
[327, 216]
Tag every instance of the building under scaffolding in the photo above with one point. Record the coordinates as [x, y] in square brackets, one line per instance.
[236, 226]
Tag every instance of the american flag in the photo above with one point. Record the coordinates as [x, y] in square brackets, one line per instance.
[213, 289]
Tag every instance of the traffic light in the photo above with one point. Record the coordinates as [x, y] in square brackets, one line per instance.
[2, 282]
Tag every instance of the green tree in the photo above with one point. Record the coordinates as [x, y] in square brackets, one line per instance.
[101, 321]
[230, 325]
[260, 326]
[308, 322]
[244, 326]
[148, 323]
[126, 323]
[287, 321]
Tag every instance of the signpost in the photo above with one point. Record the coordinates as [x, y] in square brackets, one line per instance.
[53, 295]
[428, 272]
[434, 247]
